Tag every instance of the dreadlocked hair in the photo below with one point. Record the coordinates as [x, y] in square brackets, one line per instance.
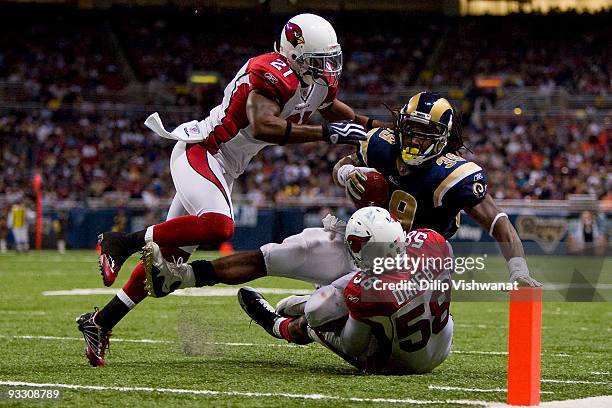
[455, 139]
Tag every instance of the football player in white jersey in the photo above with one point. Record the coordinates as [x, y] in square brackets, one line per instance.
[268, 102]
[369, 319]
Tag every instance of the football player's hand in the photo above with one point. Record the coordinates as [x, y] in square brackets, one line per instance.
[354, 184]
[524, 280]
[344, 132]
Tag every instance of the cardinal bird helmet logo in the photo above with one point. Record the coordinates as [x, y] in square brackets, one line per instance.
[293, 32]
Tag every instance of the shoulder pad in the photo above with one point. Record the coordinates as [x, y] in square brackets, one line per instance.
[270, 75]
[457, 171]
[378, 148]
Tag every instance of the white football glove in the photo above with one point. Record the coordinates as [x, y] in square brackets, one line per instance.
[520, 273]
[525, 281]
[354, 183]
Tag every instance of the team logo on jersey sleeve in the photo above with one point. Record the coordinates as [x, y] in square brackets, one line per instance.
[479, 189]
[294, 35]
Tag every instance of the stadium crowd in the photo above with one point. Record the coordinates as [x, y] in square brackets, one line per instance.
[98, 153]
[59, 62]
[75, 54]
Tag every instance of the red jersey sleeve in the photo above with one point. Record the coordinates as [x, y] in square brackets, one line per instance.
[271, 76]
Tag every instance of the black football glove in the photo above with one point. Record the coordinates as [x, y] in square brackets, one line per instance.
[344, 132]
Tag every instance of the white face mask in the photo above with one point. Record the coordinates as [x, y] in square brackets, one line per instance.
[324, 68]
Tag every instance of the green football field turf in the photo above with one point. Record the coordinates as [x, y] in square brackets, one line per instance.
[207, 344]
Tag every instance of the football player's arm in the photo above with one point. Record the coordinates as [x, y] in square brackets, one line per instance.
[264, 117]
[339, 110]
[488, 215]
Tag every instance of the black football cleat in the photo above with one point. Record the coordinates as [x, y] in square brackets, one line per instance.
[113, 253]
[258, 309]
[97, 338]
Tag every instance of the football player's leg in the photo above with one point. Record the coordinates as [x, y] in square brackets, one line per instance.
[315, 255]
[437, 350]
[292, 329]
[164, 276]
[96, 326]
[133, 291]
[204, 192]
[324, 310]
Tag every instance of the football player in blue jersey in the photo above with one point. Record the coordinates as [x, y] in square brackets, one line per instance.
[429, 182]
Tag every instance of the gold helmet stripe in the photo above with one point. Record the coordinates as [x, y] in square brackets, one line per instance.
[413, 103]
[438, 109]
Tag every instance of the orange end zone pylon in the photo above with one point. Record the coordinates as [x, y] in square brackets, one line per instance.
[524, 346]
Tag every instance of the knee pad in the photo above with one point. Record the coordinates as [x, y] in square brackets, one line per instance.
[325, 306]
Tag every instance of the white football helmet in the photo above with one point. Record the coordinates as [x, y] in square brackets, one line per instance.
[371, 233]
[311, 47]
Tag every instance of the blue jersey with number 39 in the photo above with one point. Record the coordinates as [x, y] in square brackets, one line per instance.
[429, 196]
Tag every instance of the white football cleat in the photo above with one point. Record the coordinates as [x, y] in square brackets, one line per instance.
[163, 277]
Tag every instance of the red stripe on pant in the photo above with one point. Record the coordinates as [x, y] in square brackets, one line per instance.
[197, 157]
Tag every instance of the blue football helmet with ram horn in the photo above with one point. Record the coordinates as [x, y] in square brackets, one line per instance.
[423, 127]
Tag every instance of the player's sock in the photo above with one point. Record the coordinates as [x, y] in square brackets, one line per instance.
[281, 328]
[136, 240]
[110, 314]
[204, 273]
[191, 230]
[132, 293]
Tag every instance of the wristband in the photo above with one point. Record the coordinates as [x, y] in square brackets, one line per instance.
[497, 217]
[343, 173]
[286, 135]
[370, 124]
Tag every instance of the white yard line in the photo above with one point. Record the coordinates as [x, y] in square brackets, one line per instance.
[241, 344]
[28, 312]
[493, 353]
[113, 339]
[80, 338]
[599, 373]
[502, 353]
[231, 344]
[247, 394]
[575, 382]
[181, 292]
[447, 388]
